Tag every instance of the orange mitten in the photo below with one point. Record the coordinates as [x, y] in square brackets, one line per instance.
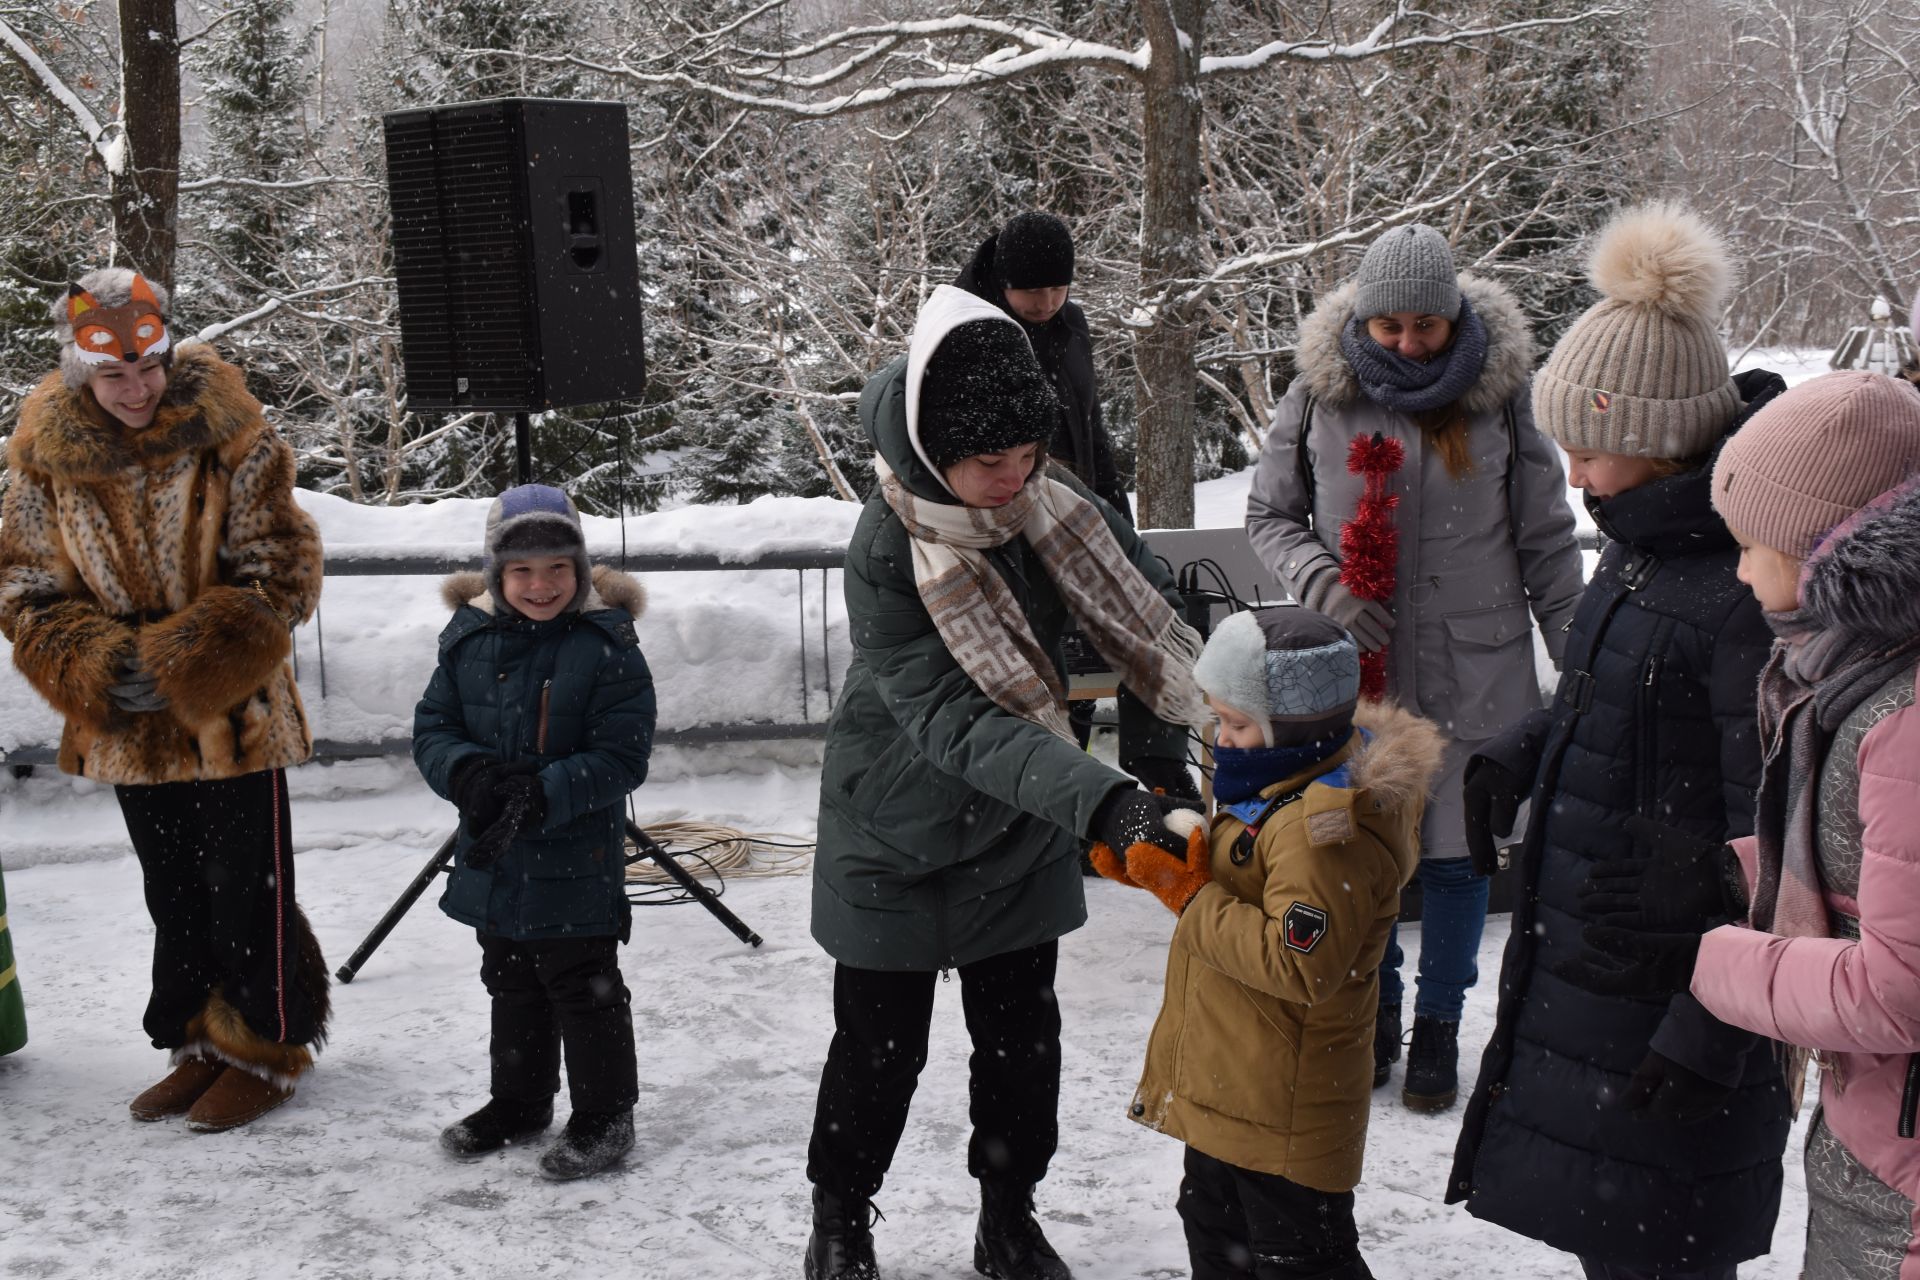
[1108, 864]
[1166, 877]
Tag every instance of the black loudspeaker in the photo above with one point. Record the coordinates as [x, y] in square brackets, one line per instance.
[513, 248]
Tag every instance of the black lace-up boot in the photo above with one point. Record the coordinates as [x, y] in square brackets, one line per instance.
[841, 1246]
[1386, 1042]
[1008, 1244]
[1433, 1065]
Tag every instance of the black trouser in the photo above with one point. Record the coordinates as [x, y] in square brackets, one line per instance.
[217, 862]
[1597, 1270]
[1243, 1225]
[881, 1020]
[551, 992]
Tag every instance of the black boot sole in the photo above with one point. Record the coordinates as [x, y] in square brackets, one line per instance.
[1382, 1074]
[1429, 1103]
[469, 1155]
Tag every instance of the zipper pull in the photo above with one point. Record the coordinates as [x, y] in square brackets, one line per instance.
[946, 975]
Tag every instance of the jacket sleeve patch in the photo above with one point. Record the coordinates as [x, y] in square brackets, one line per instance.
[1305, 925]
[1333, 826]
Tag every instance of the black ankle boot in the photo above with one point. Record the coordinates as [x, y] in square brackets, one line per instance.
[841, 1246]
[591, 1142]
[1008, 1244]
[500, 1123]
[1433, 1065]
[1386, 1042]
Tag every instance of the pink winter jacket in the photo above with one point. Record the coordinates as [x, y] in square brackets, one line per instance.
[1858, 1002]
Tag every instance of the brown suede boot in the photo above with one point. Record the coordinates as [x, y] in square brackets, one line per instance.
[237, 1097]
[179, 1091]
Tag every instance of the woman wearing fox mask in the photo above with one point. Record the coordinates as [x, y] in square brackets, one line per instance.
[152, 567]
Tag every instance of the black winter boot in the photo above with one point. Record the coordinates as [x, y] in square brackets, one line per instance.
[592, 1141]
[498, 1124]
[1008, 1244]
[1386, 1042]
[1433, 1065]
[841, 1246]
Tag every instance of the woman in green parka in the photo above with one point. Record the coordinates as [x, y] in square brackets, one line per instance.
[13, 1010]
[954, 801]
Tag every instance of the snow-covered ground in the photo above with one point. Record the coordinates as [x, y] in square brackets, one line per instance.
[347, 1181]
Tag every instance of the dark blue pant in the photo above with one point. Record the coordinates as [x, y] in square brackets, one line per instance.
[1453, 913]
[881, 1020]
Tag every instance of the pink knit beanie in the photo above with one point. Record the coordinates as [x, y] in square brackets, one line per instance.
[1814, 456]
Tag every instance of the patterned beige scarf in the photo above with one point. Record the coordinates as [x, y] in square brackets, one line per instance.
[1129, 622]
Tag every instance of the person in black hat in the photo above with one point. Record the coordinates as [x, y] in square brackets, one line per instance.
[1026, 269]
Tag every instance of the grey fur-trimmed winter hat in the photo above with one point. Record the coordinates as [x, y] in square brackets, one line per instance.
[1293, 671]
[530, 522]
[1643, 372]
[1409, 268]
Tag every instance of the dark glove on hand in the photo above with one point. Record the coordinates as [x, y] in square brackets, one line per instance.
[1673, 881]
[1492, 794]
[475, 789]
[1129, 816]
[1632, 962]
[523, 808]
[1167, 778]
[1666, 1090]
[134, 688]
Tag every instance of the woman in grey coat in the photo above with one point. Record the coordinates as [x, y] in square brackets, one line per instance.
[1409, 351]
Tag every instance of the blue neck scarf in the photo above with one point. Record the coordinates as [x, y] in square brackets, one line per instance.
[1391, 380]
[1240, 775]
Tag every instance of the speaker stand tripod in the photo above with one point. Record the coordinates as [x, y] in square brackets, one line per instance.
[442, 856]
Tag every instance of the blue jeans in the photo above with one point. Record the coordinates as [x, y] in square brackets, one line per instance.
[1453, 912]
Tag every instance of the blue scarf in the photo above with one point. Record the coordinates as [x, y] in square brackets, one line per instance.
[1240, 773]
[1391, 380]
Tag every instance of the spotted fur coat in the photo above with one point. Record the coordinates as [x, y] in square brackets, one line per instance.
[180, 542]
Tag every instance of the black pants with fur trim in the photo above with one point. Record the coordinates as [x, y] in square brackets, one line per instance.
[216, 859]
[881, 1020]
[1243, 1225]
[554, 992]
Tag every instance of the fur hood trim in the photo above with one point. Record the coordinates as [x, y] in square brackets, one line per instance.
[610, 589]
[1863, 579]
[65, 434]
[1324, 368]
[1398, 766]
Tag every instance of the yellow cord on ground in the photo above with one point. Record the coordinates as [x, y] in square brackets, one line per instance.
[733, 853]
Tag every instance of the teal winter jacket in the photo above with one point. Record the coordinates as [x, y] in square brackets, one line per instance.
[572, 694]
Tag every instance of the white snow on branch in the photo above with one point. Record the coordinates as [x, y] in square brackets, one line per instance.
[111, 150]
[1376, 43]
[294, 184]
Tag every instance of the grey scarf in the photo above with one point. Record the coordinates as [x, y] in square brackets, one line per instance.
[1408, 386]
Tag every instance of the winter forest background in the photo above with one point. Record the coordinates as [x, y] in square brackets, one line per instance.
[806, 170]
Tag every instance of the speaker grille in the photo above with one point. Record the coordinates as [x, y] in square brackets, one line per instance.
[460, 253]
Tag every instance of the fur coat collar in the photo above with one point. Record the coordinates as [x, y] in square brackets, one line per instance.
[1328, 375]
[66, 435]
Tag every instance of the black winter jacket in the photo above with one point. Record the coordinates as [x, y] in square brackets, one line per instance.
[1064, 346]
[1654, 716]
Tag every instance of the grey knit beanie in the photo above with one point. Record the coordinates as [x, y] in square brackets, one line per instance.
[532, 522]
[1409, 268]
[1642, 372]
[1294, 671]
[1814, 456]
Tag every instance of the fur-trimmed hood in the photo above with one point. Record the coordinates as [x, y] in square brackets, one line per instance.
[1864, 579]
[65, 434]
[1324, 368]
[610, 588]
[1397, 766]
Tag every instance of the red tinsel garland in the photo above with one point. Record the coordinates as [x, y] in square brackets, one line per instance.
[1369, 543]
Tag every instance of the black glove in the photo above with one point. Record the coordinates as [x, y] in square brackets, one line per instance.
[1674, 881]
[1632, 962]
[1180, 804]
[1666, 1090]
[475, 789]
[1492, 794]
[1168, 778]
[523, 807]
[134, 687]
[1129, 816]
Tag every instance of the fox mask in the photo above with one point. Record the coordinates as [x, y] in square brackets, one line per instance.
[130, 332]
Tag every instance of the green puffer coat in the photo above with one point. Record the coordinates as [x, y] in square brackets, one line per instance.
[13, 1009]
[573, 694]
[951, 829]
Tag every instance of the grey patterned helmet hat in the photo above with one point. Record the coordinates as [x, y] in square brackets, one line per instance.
[1295, 671]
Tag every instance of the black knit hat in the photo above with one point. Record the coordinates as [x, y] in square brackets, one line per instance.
[983, 392]
[1035, 251]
